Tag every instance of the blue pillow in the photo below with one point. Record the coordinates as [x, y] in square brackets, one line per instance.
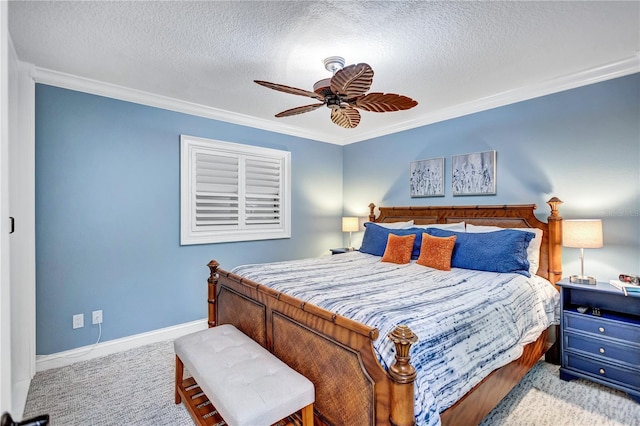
[499, 251]
[375, 239]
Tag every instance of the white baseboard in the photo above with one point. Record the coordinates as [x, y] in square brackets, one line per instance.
[61, 359]
[19, 398]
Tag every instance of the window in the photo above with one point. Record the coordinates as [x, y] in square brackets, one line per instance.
[233, 192]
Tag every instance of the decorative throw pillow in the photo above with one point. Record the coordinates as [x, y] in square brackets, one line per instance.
[499, 251]
[533, 250]
[376, 237]
[436, 252]
[399, 248]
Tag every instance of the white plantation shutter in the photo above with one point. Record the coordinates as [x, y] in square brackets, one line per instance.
[233, 192]
[262, 191]
[216, 190]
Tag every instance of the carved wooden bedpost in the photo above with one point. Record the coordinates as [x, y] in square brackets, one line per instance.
[403, 375]
[372, 216]
[555, 241]
[213, 284]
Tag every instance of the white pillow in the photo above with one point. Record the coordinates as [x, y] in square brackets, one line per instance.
[457, 227]
[533, 250]
[396, 225]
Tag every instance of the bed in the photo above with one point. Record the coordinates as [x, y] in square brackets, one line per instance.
[354, 384]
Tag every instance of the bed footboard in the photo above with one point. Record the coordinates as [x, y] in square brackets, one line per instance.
[332, 351]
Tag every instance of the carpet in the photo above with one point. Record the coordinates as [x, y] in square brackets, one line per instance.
[541, 398]
[135, 387]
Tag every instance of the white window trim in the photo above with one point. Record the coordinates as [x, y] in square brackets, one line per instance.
[192, 234]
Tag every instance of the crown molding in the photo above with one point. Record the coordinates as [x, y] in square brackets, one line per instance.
[95, 87]
[609, 71]
[605, 72]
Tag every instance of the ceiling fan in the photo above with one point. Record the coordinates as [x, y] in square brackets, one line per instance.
[343, 93]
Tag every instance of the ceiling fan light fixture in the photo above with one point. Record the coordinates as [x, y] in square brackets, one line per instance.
[323, 87]
[334, 63]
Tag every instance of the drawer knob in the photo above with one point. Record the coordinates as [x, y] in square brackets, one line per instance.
[602, 371]
[601, 350]
[601, 329]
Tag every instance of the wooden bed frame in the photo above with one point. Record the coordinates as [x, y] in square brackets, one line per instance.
[336, 353]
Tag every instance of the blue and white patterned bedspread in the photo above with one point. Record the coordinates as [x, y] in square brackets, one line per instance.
[468, 322]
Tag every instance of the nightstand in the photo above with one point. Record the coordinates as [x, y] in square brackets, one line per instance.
[602, 348]
[341, 250]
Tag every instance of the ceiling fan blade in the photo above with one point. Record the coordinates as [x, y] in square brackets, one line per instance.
[345, 117]
[298, 110]
[383, 102]
[289, 89]
[353, 80]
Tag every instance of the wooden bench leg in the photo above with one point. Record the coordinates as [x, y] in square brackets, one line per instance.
[307, 415]
[179, 372]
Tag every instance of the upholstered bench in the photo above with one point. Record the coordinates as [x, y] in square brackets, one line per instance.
[245, 383]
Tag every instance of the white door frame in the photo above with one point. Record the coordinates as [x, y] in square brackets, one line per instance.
[6, 383]
[22, 243]
[17, 250]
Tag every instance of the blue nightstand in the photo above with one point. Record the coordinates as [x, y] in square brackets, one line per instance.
[600, 335]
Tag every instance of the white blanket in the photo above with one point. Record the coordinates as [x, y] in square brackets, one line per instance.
[468, 322]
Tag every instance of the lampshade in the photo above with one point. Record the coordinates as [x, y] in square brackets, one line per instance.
[582, 234]
[350, 224]
[585, 233]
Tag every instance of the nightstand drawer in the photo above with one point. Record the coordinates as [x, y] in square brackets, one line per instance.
[604, 370]
[602, 327]
[603, 348]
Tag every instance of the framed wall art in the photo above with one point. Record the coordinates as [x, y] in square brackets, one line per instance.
[426, 178]
[474, 174]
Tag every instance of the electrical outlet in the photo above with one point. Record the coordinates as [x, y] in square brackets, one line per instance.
[78, 321]
[96, 317]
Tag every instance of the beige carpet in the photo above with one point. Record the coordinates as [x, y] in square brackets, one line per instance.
[136, 388]
[541, 398]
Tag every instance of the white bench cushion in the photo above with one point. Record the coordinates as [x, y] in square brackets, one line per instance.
[246, 383]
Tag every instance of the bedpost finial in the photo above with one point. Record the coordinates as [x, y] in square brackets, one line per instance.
[213, 268]
[401, 371]
[213, 265]
[372, 216]
[554, 203]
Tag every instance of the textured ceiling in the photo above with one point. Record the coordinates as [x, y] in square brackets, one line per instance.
[452, 57]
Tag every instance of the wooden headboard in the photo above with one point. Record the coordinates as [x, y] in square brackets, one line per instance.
[505, 216]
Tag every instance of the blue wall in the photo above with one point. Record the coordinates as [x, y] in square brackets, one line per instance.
[108, 210]
[107, 195]
[581, 145]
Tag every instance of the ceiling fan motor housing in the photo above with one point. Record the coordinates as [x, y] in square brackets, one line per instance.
[323, 87]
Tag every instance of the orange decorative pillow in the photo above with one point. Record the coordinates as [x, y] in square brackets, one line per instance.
[435, 252]
[399, 248]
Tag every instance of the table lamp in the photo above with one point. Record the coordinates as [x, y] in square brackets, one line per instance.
[350, 224]
[582, 234]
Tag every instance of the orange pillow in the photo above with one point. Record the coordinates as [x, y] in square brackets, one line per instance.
[399, 248]
[435, 252]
